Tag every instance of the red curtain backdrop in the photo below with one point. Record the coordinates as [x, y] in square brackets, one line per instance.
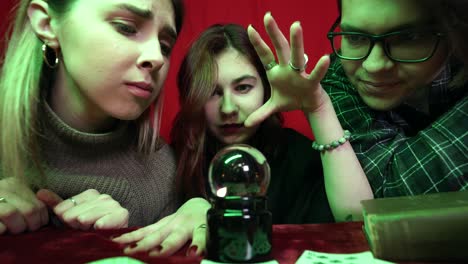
[316, 18]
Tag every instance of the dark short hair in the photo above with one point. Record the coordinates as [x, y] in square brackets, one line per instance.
[451, 17]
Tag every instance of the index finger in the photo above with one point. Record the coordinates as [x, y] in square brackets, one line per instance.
[198, 241]
[280, 42]
[263, 51]
[139, 234]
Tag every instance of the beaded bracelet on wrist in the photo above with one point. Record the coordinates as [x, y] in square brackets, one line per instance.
[333, 144]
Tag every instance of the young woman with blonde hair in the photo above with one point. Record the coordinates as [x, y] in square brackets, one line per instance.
[76, 88]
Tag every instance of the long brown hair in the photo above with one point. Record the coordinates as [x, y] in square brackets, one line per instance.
[192, 141]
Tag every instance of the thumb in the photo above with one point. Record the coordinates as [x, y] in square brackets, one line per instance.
[260, 114]
[48, 197]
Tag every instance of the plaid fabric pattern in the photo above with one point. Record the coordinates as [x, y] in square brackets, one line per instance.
[435, 159]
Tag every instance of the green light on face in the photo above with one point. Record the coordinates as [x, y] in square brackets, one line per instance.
[232, 158]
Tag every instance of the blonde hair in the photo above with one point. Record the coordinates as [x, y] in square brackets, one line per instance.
[22, 79]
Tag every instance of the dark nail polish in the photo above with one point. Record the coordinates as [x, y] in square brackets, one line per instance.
[156, 251]
[192, 251]
[133, 245]
[129, 248]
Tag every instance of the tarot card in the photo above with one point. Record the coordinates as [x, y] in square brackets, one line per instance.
[315, 257]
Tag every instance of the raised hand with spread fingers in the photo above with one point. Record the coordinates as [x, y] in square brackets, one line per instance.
[292, 88]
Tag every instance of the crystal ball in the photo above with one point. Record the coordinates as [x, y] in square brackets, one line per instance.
[239, 170]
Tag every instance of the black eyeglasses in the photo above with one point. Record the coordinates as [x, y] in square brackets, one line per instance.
[401, 46]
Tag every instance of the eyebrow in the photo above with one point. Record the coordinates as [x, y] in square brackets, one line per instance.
[147, 14]
[243, 77]
[350, 28]
[143, 13]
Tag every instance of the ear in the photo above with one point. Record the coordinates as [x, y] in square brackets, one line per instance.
[41, 22]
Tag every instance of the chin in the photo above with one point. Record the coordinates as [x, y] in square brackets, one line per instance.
[381, 105]
[384, 102]
[128, 116]
[233, 140]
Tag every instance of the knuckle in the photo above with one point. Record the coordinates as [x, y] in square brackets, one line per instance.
[8, 212]
[113, 203]
[169, 244]
[81, 219]
[92, 192]
[105, 196]
[29, 210]
[68, 217]
[125, 213]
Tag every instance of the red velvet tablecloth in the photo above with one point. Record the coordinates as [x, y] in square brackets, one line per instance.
[50, 245]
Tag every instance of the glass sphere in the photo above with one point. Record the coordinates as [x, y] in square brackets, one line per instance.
[239, 170]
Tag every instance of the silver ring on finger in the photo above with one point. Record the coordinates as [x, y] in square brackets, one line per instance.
[3, 200]
[301, 69]
[270, 65]
[73, 201]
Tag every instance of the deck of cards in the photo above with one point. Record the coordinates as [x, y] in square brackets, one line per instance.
[315, 257]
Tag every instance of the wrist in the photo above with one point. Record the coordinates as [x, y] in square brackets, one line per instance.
[317, 104]
[334, 144]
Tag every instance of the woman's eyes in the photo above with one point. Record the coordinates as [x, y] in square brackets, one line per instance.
[125, 29]
[243, 88]
[165, 49]
[240, 89]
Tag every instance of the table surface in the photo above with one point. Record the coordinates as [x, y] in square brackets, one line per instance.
[52, 245]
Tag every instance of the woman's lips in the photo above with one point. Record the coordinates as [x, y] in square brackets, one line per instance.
[140, 89]
[230, 129]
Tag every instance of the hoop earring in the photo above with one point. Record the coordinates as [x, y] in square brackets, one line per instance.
[46, 60]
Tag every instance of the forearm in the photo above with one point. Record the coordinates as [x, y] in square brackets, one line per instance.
[345, 182]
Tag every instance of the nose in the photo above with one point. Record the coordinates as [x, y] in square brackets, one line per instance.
[151, 57]
[228, 105]
[377, 60]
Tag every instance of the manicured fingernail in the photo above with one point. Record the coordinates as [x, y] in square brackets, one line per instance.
[133, 245]
[192, 251]
[156, 251]
[130, 247]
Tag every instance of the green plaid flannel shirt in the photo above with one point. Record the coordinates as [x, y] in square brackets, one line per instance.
[397, 162]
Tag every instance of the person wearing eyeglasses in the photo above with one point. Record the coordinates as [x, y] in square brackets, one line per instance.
[398, 82]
